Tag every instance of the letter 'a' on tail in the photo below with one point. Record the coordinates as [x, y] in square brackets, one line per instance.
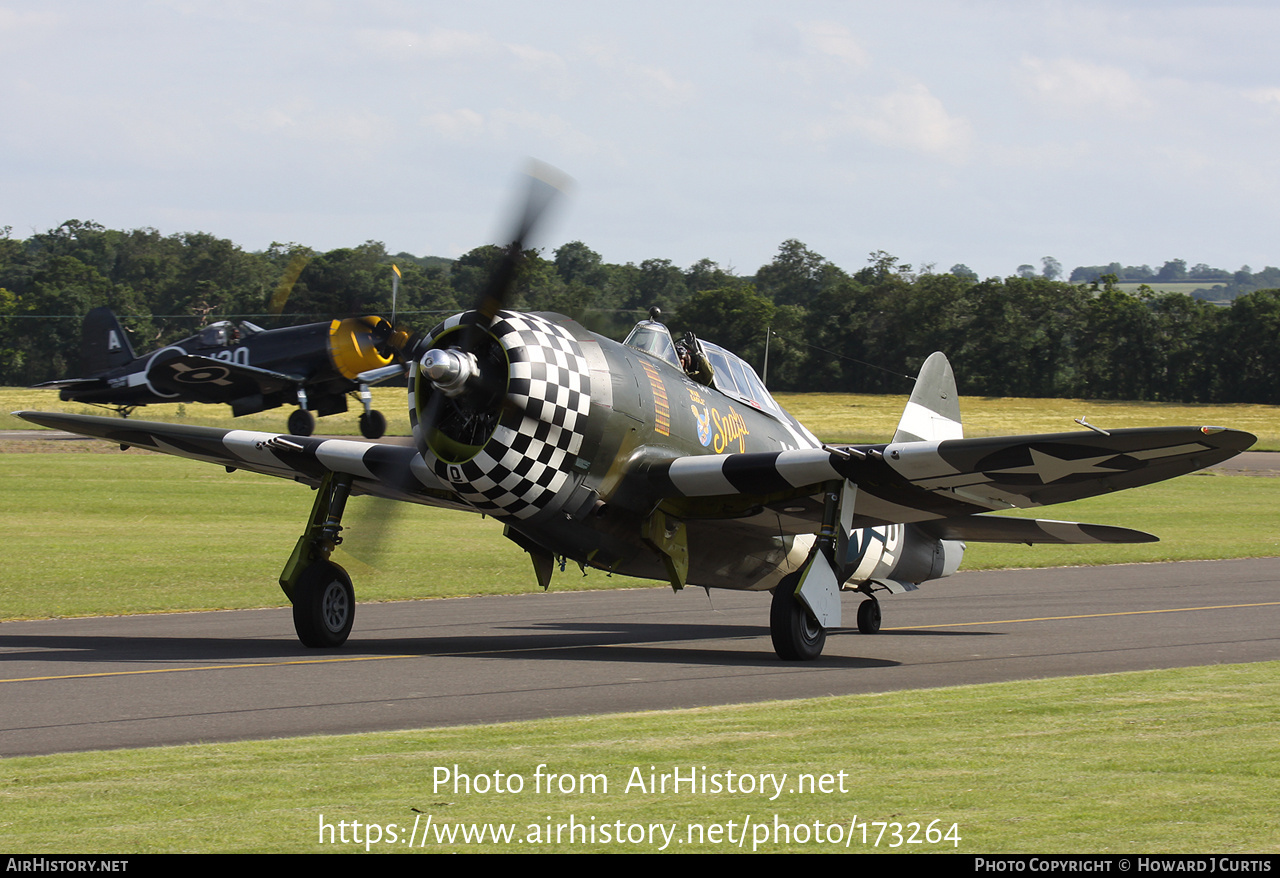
[104, 345]
[933, 412]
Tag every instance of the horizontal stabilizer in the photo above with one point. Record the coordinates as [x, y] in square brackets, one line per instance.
[994, 529]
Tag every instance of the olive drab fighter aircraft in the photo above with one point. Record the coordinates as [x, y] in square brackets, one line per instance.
[611, 455]
[245, 366]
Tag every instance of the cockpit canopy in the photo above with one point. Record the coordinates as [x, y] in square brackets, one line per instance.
[224, 332]
[733, 377]
[216, 335]
[654, 339]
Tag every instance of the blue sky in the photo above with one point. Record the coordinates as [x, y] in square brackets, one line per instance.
[989, 133]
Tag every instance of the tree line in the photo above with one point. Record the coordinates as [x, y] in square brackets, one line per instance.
[827, 329]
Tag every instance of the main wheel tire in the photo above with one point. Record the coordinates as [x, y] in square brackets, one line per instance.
[869, 616]
[373, 424]
[797, 636]
[324, 606]
[301, 423]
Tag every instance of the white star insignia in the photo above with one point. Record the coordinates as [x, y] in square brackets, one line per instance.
[1050, 468]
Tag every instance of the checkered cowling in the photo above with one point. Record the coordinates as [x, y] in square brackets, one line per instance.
[525, 463]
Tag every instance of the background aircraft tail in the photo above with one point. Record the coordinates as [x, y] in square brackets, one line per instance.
[104, 345]
[933, 412]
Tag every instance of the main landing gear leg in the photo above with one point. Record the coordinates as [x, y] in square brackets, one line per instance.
[806, 603]
[302, 422]
[324, 601]
[796, 634]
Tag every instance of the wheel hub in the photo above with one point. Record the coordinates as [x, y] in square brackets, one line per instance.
[334, 607]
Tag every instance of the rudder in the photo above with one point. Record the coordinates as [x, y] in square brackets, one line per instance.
[933, 412]
[104, 345]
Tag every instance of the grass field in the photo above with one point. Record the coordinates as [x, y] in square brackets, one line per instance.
[1182, 761]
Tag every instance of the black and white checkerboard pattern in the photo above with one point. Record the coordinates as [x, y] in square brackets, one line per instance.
[526, 462]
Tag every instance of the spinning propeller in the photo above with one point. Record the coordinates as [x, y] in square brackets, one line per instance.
[463, 376]
[461, 385]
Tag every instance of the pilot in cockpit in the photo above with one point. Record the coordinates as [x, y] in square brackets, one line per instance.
[653, 337]
[693, 360]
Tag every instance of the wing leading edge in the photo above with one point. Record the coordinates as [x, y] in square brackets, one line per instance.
[380, 468]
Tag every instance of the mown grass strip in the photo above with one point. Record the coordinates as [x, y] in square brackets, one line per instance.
[1163, 761]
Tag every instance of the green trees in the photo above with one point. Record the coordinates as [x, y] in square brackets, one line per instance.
[1249, 349]
[1025, 335]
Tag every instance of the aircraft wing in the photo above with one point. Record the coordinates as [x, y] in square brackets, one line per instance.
[208, 380]
[999, 529]
[383, 469]
[72, 383]
[937, 480]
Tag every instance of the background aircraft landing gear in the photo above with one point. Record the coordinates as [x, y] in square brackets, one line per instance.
[869, 616]
[373, 424]
[797, 636]
[301, 423]
[324, 605]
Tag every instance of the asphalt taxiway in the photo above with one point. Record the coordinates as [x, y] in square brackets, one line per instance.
[131, 681]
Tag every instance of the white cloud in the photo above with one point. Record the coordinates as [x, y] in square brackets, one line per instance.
[628, 80]
[911, 118]
[1268, 97]
[1082, 87]
[462, 124]
[834, 40]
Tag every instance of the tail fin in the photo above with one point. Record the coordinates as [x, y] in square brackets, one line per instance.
[104, 345]
[933, 412]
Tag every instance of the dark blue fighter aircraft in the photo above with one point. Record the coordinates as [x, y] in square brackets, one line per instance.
[244, 366]
[671, 461]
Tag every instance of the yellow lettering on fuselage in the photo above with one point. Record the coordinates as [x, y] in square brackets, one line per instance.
[730, 428]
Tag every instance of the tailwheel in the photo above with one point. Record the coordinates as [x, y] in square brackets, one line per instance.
[324, 605]
[373, 424]
[302, 423]
[869, 616]
[797, 636]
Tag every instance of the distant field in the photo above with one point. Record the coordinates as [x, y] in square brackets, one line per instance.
[1187, 287]
[833, 417]
[847, 417]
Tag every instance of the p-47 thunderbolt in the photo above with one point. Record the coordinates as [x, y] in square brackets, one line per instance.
[670, 460]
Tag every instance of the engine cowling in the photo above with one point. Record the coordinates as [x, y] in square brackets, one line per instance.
[507, 440]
